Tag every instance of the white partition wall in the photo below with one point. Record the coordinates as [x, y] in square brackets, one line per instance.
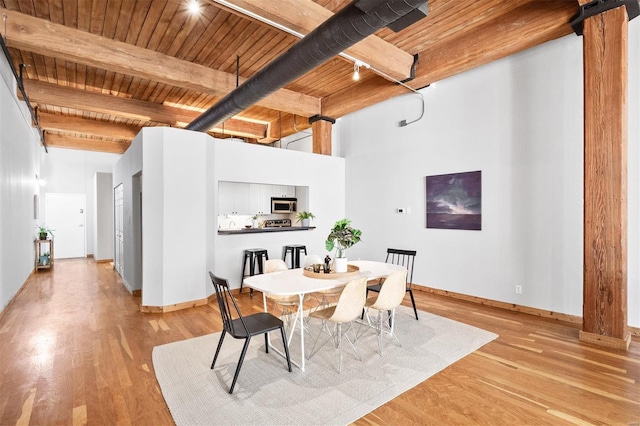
[103, 217]
[179, 174]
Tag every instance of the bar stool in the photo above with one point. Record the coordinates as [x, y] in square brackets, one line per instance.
[295, 251]
[252, 255]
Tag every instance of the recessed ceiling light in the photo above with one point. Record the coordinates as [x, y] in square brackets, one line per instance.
[194, 7]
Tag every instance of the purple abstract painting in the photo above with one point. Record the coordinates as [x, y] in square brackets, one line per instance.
[454, 201]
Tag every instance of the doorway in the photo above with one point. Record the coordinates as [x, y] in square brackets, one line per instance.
[66, 215]
[118, 198]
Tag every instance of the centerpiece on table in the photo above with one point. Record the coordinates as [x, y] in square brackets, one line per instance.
[342, 237]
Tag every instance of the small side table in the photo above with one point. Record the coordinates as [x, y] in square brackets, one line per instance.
[44, 261]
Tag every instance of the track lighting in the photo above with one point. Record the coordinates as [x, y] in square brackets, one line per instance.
[356, 71]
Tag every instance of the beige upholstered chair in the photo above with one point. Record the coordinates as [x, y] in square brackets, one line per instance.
[348, 308]
[391, 293]
[287, 304]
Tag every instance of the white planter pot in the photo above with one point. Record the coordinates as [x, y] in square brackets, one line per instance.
[305, 222]
[254, 223]
[340, 264]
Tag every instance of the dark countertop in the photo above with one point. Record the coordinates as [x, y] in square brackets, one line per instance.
[260, 230]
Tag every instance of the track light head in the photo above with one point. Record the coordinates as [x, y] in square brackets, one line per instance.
[194, 7]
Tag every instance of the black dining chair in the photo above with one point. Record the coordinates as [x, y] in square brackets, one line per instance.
[404, 258]
[241, 327]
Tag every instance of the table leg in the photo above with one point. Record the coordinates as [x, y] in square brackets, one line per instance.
[264, 302]
[301, 314]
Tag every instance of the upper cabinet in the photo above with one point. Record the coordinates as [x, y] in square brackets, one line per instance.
[233, 198]
[260, 198]
[249, 198]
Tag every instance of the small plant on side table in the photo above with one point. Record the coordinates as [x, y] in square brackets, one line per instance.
[43, 231]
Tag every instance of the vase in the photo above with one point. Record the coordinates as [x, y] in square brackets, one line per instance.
[254, 223]
[340, 264]
[305, 223]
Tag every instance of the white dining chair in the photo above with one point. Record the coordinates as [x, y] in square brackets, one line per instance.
[348, 308]
[390, 296]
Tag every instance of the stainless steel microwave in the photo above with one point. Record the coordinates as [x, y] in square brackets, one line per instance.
[283, 205]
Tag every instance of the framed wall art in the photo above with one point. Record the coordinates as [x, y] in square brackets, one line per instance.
[454, 201]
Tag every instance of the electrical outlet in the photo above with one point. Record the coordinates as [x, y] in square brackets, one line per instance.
[401, 210]
[518, 289]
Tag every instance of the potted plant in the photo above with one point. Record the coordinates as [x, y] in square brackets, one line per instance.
[342, 237]
[254, 220]
[44, 259]
[43, 231]
[305, 218]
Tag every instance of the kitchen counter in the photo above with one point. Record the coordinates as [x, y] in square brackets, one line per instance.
[261, 230]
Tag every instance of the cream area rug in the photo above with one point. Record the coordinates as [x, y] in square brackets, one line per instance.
[267, 394]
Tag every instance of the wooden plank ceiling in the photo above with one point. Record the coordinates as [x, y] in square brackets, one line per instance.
[99, 70]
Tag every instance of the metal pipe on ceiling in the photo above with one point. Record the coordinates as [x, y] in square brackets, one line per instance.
[341, 31]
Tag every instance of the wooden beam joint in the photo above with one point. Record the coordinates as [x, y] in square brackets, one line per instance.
[597, 7]
[321, 117]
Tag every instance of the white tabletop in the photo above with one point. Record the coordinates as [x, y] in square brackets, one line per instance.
[293, 281]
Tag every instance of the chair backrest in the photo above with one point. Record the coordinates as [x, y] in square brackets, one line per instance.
[274, 265]
[228, 307]
[404, 258]
[351, 301]
[392, 291]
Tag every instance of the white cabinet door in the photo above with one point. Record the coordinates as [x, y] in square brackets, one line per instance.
[225, 198]
[260, 198]
[241, 198]
[233, 198]
[283, 191]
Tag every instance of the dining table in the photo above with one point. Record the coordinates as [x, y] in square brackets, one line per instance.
[296, 282]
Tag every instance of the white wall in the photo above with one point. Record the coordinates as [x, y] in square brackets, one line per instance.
[103, 217]
[19, 165]
[126, 172]
[174, 180]
[518, 120]
[72, 172]
[180, 179]
[240, 162]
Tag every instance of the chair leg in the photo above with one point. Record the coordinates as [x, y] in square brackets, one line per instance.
[266, 342]
[340, 348]
[218, 350]
[313, 348]
[413, 302]
[244, 352]
[286, 347]
[380, 321]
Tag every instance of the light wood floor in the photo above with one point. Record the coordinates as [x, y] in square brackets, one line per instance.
[74, 349]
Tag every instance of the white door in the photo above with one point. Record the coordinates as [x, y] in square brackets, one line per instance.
[119, 229]
[65, 214]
